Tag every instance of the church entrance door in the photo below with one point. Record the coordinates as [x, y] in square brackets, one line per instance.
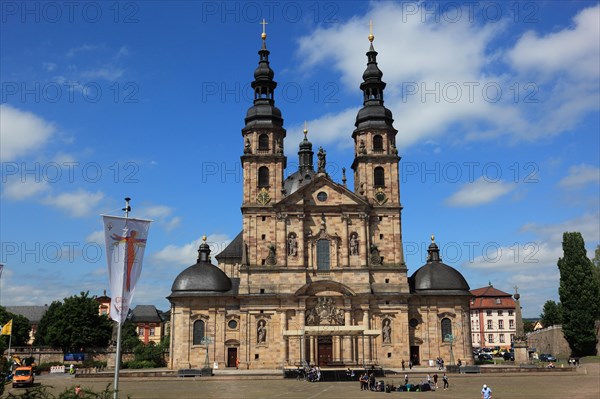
[231, 357]
[325, 351]
[414, 355]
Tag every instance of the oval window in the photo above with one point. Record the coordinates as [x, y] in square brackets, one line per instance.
[322, 196]
[232, 324]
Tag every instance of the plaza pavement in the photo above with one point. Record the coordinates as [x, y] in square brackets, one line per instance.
[583, 383]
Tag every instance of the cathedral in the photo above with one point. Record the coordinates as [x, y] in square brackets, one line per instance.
[317, 274]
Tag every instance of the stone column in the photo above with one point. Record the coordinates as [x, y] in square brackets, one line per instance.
[346, 341]
[300, 237]
[346, 241]
[366, 326]
[311, 360]
[282, 237]
[365, 245]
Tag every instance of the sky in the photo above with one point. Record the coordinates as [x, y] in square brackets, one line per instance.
[496, 106]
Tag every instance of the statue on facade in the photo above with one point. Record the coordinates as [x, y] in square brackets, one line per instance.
[280, 146]
[325, 313]
[386, 331]
[292, 245]
[271, 260]
[354, 244]
[261, 332]
[322, 161]
[247, 149]
[362, 149]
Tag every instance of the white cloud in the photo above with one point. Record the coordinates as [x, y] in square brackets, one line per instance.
[18, 190]
[86, 47]
[479, 192]
[77, 203]
[580, 175]
[49, 66]
[575, 51]
[96, 237]
[173, 223]
[161, 214]
[442, 76]
[107, 73]
[186, 254]
[22, 132]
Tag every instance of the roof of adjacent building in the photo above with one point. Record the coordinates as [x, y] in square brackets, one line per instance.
[146, 314]
[32, 313]
[491, 298]
[233, 251]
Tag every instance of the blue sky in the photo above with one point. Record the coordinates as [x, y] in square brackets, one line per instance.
[496, 106]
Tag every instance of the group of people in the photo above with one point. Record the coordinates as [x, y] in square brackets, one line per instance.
[410, 365]
[440, 363]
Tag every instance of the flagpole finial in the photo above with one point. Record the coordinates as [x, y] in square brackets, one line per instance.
[371, 36]
[127, 208]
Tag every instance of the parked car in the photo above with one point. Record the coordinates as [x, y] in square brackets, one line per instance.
[23, 377]
[509, 356]
[546, 357]
[485, 356]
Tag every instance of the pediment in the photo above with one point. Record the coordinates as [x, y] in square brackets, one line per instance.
[335, 195]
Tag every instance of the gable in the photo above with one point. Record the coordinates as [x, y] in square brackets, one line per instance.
[322, 191]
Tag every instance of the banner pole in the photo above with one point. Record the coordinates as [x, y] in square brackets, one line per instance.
[127, 209]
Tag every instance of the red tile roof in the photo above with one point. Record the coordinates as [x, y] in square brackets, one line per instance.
[486, 298]
[489, 291]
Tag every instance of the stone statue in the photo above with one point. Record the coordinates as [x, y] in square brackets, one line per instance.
[280, 146]
[292, 245]
[247, 149]
[354, 244]
[387, 332]
[322, 161]
[271, 260]
[261, 332]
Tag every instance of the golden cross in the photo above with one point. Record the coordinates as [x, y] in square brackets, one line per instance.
[264, 24]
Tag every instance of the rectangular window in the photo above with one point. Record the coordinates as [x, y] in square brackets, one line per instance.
[501, 324]
[491, 338]
[511, 324]
[512, 337]
[502, 338]
[323, 255]
[489, 312]
[141, 331]
[510, 313]
[151, 332]
[489, 325]
[500, 313]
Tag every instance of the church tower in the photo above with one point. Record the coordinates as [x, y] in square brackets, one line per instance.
[376, 175]
[263, 163]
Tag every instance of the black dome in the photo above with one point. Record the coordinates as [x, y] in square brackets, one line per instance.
[201, 278]
[437, 278]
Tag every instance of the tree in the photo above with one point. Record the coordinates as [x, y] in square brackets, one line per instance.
[527, 326]
[20, 328]
[552, 314]
[129, 336]
[596, 263]
[579, 295]
[74, 325]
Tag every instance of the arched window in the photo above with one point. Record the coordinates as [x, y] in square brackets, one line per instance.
[263, 142]
[379, 177]
[323, 255]
[263, 176]
[446, 329]
[377, 143]
[198, 332]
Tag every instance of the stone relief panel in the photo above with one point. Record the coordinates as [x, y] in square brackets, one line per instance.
[325, 313]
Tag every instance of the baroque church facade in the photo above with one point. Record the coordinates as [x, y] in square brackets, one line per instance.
[317, 274]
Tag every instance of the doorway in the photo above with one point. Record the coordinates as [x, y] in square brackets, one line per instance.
[232, 357]
[414, 355]
[325, 351]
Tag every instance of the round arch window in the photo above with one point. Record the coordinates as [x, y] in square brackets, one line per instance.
[322, 196]
[232, 324]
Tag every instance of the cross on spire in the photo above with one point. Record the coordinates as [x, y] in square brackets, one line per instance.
[264, 32]
[371, 37]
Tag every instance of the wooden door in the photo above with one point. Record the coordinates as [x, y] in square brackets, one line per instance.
[231, 357]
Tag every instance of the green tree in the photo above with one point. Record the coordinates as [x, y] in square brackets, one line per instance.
[74, 325]
[527, 326]
[596, 264]
[579, 295]
[129, 336]
[552, 314]
[20, 328]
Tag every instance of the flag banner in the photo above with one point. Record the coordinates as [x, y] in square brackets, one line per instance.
[7, 328]
[125, 243]
[1, 269]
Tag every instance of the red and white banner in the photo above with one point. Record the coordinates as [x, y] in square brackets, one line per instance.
[125, 242]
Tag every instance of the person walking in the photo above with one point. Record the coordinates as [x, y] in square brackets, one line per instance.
[410, 364]
[435, 378]
[405, 379]
[446, 383]
[486, 392]
[403, 368]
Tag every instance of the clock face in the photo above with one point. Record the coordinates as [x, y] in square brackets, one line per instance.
[263, 197]
[322, 196]
[380, 197]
